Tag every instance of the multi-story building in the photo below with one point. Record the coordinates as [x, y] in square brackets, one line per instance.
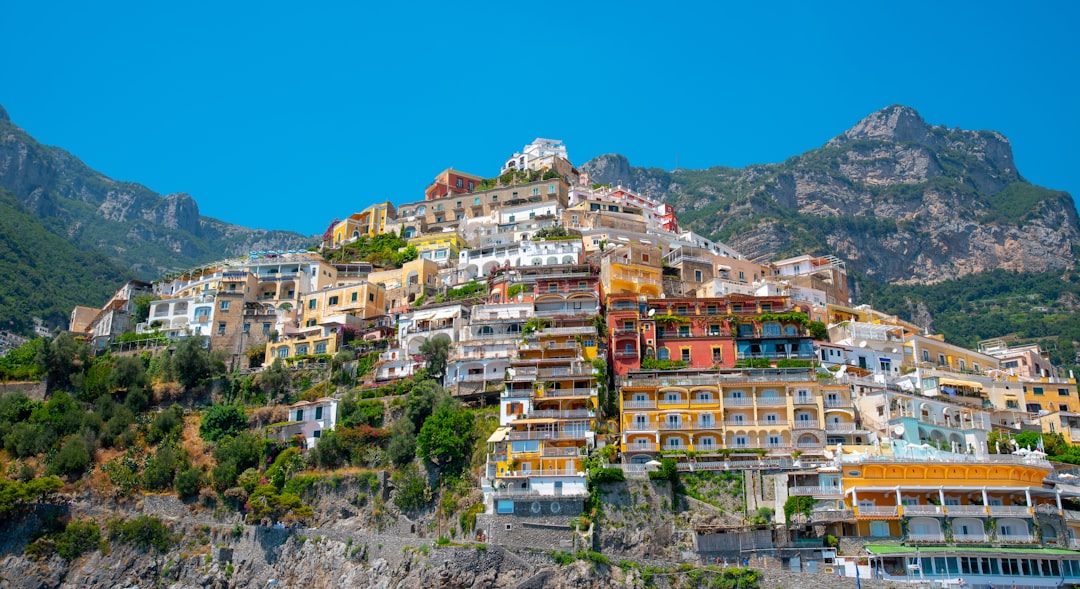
[1028, 360]
[440, 320]
[481, 203]
[486, 346]
[538, 155]
[405, 285]
[294, 343]
[309, 419]
[715, 413]
[827, 273]
[451, 182]
[481, 262]
[370, 222]
[442, 248]
[358, 300]
[115, 317]
[631, 268]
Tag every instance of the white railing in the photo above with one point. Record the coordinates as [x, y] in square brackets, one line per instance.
[548, 435]
[926, 537]
[635, 447]
[665, 426]
[639, 404]
[569, 393]
[551, 472]
[704, 401]
[771, 401]
[562, 414]
[954, 510]
[1009, 510]
[522, 494]
[970, 538]
[806, 424]
[815, 490]
[1016, 538]
[840, 427]
[706, 425]
[923, 510]
[804, 400]
[739, 401]
[877, 511]
[835, 403]
[560, 451]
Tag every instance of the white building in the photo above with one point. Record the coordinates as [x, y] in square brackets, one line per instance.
[310, 419]
[182, 316]
[536, 155]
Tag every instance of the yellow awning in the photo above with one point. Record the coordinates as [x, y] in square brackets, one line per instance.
[961, 383]
[498, 435]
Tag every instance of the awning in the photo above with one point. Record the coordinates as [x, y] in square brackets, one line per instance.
[498, 435]
[960, 383]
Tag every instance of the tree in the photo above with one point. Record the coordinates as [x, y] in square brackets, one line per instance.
[189, 481]
[421, 402]
[72, 459]
[798, 504]
[191, 362]
[818, 330]
[402, 447]
[446, 438]
[142, 306]
[274, 379]
[436, 351]
[220, 421]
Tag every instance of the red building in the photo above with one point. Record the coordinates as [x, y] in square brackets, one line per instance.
[451, 181]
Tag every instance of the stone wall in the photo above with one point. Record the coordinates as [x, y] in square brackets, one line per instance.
[539, 533]
[33, 390]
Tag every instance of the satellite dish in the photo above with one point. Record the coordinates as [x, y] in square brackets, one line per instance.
[652, 312]
[898, 430]
[862, 344]
[896, 350]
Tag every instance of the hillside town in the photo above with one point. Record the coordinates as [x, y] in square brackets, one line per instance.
[611, 338]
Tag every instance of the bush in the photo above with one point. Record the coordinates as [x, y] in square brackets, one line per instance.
[189, 481]
[72, 459]
[168, 422]
[606, 475]
[145, 531]
[411, 492]
[161, 469]
[78, 538]
[221, 421]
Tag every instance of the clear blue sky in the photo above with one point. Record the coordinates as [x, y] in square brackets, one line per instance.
[286, 115]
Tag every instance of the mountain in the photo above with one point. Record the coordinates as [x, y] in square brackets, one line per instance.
[132, 225]
[902, 201]
[46, 274]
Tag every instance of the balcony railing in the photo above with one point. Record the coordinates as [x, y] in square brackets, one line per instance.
[1009, 511]
[771, 401]
[837, 403]
[532, 494]
[804, 400]
[922, 538]
[568, 393]
[635, 447]
[573, 434]
[812, 491]
[563, 414]
[706, 425]
[712, 401]
[739, 401]
[840, 427]
[970, 538]
[666, 426]
[626, 353]
[806, 424]
[561, 451]
[1016, 538]
[923, 510]
[550, 372]
[550, 472]
[877, 512]
[955, 510]
[639, 404]
[1072, 515]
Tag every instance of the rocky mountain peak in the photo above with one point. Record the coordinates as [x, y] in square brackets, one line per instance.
[896, 123]
[3, 114]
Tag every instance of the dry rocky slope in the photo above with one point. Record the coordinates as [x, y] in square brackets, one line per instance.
[901, 200]
[131, 224]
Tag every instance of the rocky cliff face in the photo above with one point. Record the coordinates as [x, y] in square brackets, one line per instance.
[133, 225]
[903, 201]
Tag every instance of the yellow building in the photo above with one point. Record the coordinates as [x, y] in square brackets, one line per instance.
[362, 300]
[406, 284]
[777, 411]
[442, 248]
[301, 343]
[631, 268]
[370, 222]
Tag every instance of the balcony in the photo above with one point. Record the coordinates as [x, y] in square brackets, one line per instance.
[833, 515]
[549, 393]
[564, 414]
[816, 491]
[970, 538]
[871, 511]
[624, 331]
[804, 400]
[771, 402]
[910, 510]
[837, 404]
[1016, 539]
[532, 494]
[560, 451]
[556, 372]
[738, 402]
[704, 401]
[706, 425]
[1009, 511]
[925, 538]
[626, 354]
[676, 426]
[641, 447]
[639, 404]
[550, 472]
[972, 510]
[843, 428]
[815, 445]
[572, 434]
[806, 424]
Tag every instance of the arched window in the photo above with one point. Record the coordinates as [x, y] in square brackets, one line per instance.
[790, 331]
[663, 354]
[770, 329]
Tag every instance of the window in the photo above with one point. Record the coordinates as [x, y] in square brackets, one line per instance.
[663, 354]
[457, 205]
[766, 307]
[1037, 390]
[318, 413]
[302, 350]
[536, 191]
[266, 328]
[354, 297]
[1063, 392]
[717, 355]
[371, 297]
[925, 356]
[684, 331]
[742, 275]
[551, 189]
[224, 305]
[299, 415]
[472, 185]
[333, 301]
[460, 183]
[247, 328]
[309, 323]
[311, 304]
[221, 328]
[553, 287]
[494, 198]
[476, 201]
[686, 354]
[644, 257]
[714, 329]
[320, 348]
[963, 365]
[628, 325]
[512, 218]
[941, 359]
[710, 309]
[318, 433]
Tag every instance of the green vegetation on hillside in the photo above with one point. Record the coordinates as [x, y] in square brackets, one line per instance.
[45, 275]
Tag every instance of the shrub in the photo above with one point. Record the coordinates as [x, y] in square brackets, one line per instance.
[78, 538]
[145, 531]
[411, 491]
[72, 459]
[189, 481]
[221, 421]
